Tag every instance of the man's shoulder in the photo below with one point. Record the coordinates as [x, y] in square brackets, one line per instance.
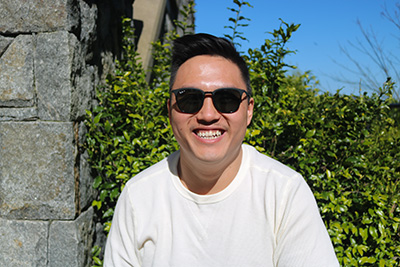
[272, 175]
[265, 163]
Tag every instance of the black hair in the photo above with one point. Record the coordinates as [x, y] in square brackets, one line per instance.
[192, 45]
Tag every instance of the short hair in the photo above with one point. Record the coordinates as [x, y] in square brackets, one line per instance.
[192, 45]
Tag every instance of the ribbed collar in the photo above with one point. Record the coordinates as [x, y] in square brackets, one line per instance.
[213, 198]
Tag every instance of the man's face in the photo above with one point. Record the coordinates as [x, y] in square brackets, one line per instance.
[208, 135]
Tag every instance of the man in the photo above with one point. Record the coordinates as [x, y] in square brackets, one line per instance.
[215, 202]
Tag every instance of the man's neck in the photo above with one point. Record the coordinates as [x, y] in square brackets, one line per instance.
[205, 178]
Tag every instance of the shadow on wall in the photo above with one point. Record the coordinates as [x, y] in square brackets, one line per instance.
[107, 45]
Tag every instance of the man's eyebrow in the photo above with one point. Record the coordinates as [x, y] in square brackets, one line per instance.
[224, 87]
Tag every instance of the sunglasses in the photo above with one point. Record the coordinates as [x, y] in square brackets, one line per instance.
[225, 100]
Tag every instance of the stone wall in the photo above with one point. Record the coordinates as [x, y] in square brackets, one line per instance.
[53, 53]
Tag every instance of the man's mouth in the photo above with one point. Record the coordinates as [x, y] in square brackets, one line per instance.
[209, 134]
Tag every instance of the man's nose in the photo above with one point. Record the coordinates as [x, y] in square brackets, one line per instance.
[208, 113]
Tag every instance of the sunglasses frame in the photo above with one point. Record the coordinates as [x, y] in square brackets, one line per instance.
[204, 93]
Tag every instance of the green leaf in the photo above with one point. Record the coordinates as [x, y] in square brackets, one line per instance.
[310, 133]
[96, 204]
[97, 181]
[108, 213]
[367, 260]
[373, 232]
[96, 119]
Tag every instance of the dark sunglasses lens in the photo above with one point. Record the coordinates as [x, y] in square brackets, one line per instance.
[189, 100]
[227, 100]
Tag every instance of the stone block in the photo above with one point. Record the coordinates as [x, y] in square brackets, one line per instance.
[83, 92]
[4, 43]
[18, 114]
[89, 15]
[16, 73]
[86, 190]
[38, 15]
[23, 243]
[37, 170]
[55, 67]
[70, 241]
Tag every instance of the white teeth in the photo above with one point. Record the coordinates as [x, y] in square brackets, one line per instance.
[209, 134]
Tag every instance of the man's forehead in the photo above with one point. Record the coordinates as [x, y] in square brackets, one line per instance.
[209, 72]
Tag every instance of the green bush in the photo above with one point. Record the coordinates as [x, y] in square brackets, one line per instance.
[346, 146]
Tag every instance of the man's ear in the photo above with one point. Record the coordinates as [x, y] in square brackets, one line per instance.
[169, 107]
[250, 108]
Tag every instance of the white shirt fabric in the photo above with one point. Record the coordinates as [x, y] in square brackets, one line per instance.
[267, 216]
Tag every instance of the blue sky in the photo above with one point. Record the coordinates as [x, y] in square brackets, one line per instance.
[325, 26]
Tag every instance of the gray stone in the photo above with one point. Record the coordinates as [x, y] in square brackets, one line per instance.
[70, 241]
[16, 73]
[83, 93]
[89, 14]
[4, 43]
[38, 15]
[52, 53]
[86, 190]
[37, 170]
[23, 243]
[18, 114]
[56, 64]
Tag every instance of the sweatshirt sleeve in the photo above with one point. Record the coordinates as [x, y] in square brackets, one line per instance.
[302, 238]
[121, 248]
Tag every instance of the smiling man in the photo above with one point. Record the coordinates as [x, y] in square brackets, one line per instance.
[215, 202]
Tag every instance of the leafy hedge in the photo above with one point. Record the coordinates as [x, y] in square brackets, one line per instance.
[346, 146]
